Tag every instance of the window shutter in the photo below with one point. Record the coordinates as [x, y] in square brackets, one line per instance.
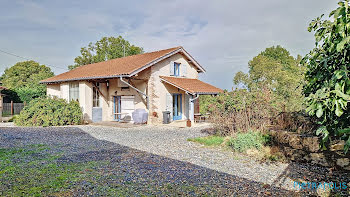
[184, 70]
[169, 103]
[171, 68]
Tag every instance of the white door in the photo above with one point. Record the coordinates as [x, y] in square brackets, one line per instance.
[127, 107]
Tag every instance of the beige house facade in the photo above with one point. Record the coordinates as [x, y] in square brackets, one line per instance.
[165, 80]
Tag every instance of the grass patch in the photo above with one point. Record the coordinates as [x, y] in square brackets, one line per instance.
[32, 171]
[250, 140]
[212, 140]
[253, 143]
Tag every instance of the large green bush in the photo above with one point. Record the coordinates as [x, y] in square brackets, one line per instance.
[50, 112]
[328, 82]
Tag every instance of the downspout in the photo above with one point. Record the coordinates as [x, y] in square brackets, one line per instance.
[197, 96]
[192, 106]
[121, 79]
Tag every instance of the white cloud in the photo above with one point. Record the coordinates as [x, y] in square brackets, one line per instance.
[222, 35]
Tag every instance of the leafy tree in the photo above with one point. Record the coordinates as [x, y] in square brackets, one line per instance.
[24, 77]
[105, 49]
[278, 71]
[328, 84]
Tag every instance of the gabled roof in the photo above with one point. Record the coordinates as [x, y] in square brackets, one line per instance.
[125, 66]
[192, 86]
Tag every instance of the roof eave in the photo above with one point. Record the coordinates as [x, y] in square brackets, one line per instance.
[83, 79]
[187, 91]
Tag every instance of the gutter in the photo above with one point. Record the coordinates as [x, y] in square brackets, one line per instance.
[121, 79]
[195, 98]
[82, 79]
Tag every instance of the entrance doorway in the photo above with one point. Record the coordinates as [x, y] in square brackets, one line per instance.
[177, 106]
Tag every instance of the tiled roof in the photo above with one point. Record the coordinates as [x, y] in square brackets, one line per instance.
[193, 86]
[124, 66]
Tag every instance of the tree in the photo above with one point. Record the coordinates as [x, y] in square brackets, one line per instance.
[24, 77]
[328, 84]
[105, 49]
[278, 71]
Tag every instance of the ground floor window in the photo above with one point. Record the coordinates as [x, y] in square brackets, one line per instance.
[74, 91]
[96, 96]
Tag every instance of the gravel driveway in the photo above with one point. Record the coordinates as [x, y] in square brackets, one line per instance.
[161, 155]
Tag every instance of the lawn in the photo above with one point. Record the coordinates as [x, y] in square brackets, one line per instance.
[33, 171]
[208, 140]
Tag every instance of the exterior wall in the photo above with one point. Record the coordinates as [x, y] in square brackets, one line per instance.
[158, 90]
[53, 90]
[64, 91]
[114, 90]
[85, 99]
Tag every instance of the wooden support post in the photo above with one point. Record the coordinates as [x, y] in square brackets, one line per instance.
[11, 108]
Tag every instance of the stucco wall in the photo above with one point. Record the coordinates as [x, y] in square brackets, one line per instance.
[85, 99]
[53, 90]
[114, 90]
[158, 90]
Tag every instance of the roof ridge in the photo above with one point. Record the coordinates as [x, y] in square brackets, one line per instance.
[128, 57]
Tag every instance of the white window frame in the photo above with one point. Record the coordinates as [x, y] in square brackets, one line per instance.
[96, 97]
[74, 91]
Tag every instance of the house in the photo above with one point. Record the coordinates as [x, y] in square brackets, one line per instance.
[165, 80]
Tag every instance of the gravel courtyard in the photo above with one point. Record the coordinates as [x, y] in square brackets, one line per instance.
[158, 161]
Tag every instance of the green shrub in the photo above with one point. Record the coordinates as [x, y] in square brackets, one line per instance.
[209, 140]
[50, 112]
[249, 140]
[13, 118]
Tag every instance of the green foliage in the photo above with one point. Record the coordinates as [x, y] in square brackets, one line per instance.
[10, 95]
[206, 103]
[105, 49]
[250, 140]
[209, 140]
[328, 84]
[278, 71]
[26, 94]
[50, 112]
[24, 77]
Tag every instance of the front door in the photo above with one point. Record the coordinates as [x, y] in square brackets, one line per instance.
[116, 108]
[177, 106]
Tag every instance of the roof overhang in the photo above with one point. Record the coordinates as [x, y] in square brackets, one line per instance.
[192, 92]
[83, 79]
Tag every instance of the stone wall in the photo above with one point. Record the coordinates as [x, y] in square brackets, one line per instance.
[304, 148]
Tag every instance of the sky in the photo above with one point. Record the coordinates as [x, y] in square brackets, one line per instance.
[222, 35]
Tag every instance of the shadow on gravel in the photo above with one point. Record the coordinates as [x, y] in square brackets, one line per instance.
[132, 171]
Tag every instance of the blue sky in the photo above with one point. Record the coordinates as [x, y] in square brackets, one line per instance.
[222, 35]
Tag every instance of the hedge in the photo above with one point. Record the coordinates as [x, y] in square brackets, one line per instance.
[50, 112]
